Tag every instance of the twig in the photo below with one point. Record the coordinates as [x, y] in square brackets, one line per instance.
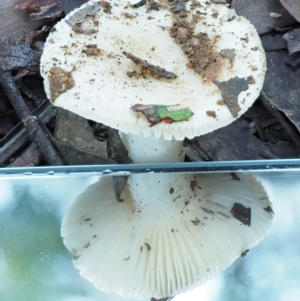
[28, 93]
[18, 136]
[264, 99]
[258, 127]
[155, 70]
[30, 157]
[30, 122]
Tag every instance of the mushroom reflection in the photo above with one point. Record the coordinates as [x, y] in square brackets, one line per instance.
[171, 233]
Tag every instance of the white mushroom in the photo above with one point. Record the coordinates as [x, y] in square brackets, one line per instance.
[216, 55]
[124, 66]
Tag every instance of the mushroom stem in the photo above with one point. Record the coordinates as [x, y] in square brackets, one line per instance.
[156, 196]
[151, 149]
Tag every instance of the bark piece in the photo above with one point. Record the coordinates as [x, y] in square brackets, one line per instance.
[230, 91]
[146, 66]
[80, 15]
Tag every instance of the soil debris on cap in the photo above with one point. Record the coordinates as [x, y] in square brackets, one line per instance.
[81, 21]
[178, 6]
[106, 6]
[198, 47]
[91, 50]
[251, 80]
[60, 81]
[230, 91]
[78, 28]
[211, 114]
[152, 5]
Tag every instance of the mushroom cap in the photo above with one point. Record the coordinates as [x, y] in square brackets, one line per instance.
[165, 245]
[217, 58]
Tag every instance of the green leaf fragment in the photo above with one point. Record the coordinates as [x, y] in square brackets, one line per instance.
[127, 258]
[158, 113]
[148, 246]
[176, 115]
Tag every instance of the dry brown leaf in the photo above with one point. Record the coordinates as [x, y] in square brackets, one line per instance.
[35, 7]
[41, 9]
[14, 55]
[273, 41]
[232, 142]
[292, 38]
[14, 23]
[282, 86]
[293, 7]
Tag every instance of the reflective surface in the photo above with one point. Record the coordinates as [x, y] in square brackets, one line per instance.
[35, 265]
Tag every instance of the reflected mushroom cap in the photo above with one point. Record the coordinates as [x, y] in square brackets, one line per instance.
[99, 62]
[164, 246]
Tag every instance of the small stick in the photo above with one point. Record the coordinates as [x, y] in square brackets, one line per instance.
[155, 70]
[140, 3]
[30, 157]
[30, 122]
[259, 128]
[264, 99]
